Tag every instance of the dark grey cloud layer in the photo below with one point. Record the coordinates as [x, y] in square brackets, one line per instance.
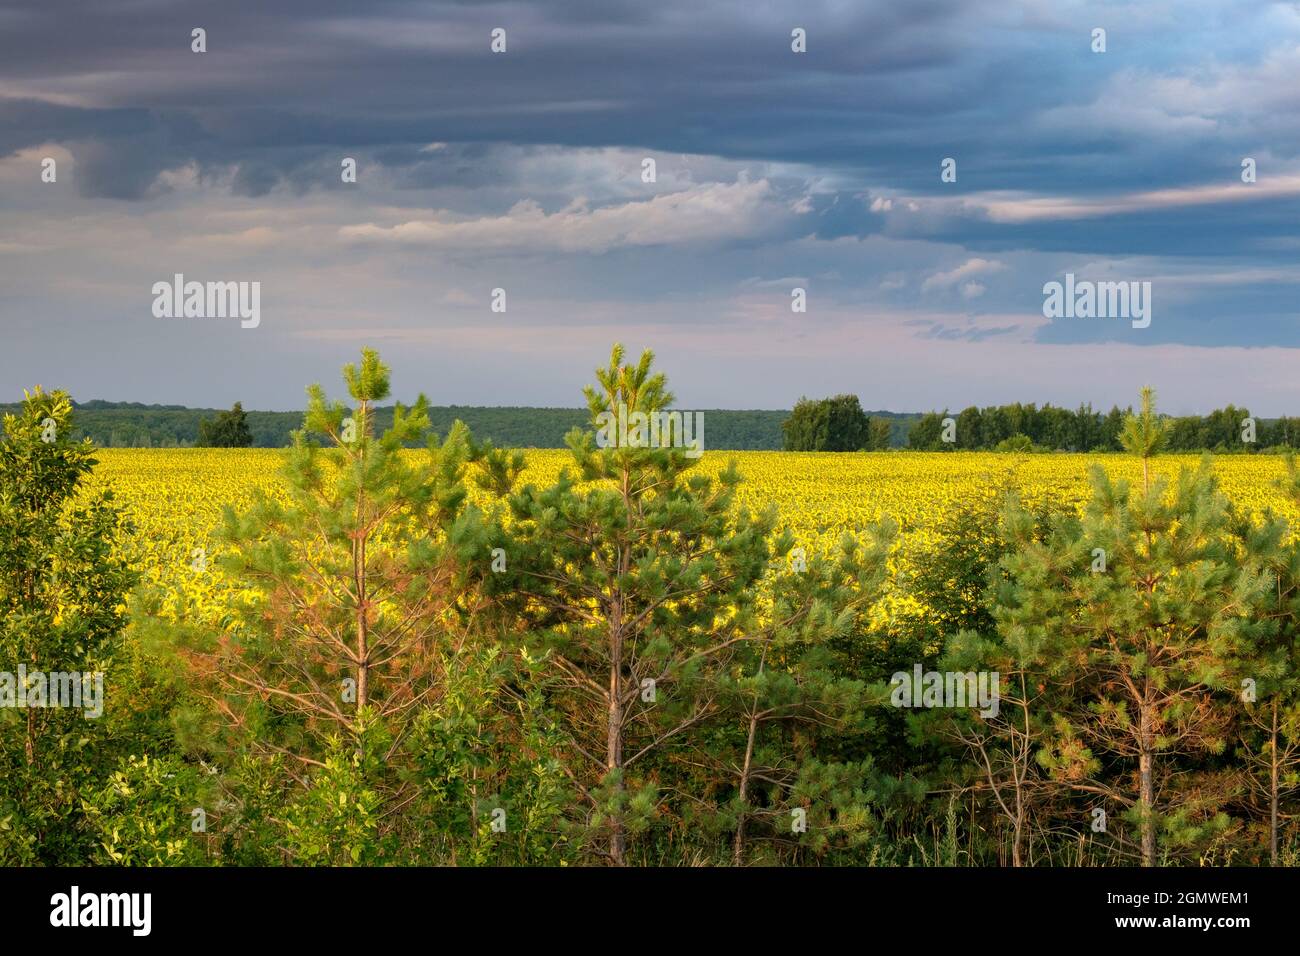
[521, 169]
[885, 90]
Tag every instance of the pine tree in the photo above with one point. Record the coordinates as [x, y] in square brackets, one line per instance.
[961, 587]
[1150, 588]
[1269, 670]
[790, 689]
[1034, 664]
[1144, 434]
[352, 586]
[631, 584]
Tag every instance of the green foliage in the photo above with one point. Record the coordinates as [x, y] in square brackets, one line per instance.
[144, 815]
[63, 587]
[1005, 428]
[635, 589]
[642, 572]
[227, 430]
[336, 821]
[808, 427]
[627, 667]
[1268, 672]
[834, 424]
[353, 685]
[486, 747]
[354, 565]
[1144, 434]
[791, 705]
[1016, 443]
[133, 425]
[1151, 637]
[927, 433]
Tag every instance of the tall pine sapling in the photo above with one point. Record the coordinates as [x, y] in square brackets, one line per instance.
[1152, 585]
[1269, 670]
[632, 581]
[351, 581]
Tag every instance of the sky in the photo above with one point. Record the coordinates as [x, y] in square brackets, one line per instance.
[523, 171]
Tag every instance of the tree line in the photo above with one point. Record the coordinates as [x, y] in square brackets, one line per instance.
[132, 425]
[624, 667]
[831, 424]
[1018, 427]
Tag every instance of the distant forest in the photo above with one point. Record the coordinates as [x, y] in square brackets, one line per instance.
[132, 425]
[1015, 427]
[1030, 428]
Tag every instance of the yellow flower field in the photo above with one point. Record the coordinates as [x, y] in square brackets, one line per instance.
[175, 496]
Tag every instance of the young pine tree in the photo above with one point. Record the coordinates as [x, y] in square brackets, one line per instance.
[960, 588]
[352, 595]
[1270, 670]
[631, 583]
[1150, 588]
[792, 695]
[1033, 674]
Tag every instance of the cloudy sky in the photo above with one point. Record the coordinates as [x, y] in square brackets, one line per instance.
[522, 171]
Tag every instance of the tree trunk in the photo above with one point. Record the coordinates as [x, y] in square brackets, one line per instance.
[1272, 790]
[614, 742]
[363, 623]
[359, 577]
[614, 727]
[738, 850]
[1022, 754]
[1147, 785]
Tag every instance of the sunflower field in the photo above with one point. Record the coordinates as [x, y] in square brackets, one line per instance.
[175, 496]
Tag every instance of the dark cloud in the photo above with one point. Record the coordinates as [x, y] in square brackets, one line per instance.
[848, 138]
[884, 92]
